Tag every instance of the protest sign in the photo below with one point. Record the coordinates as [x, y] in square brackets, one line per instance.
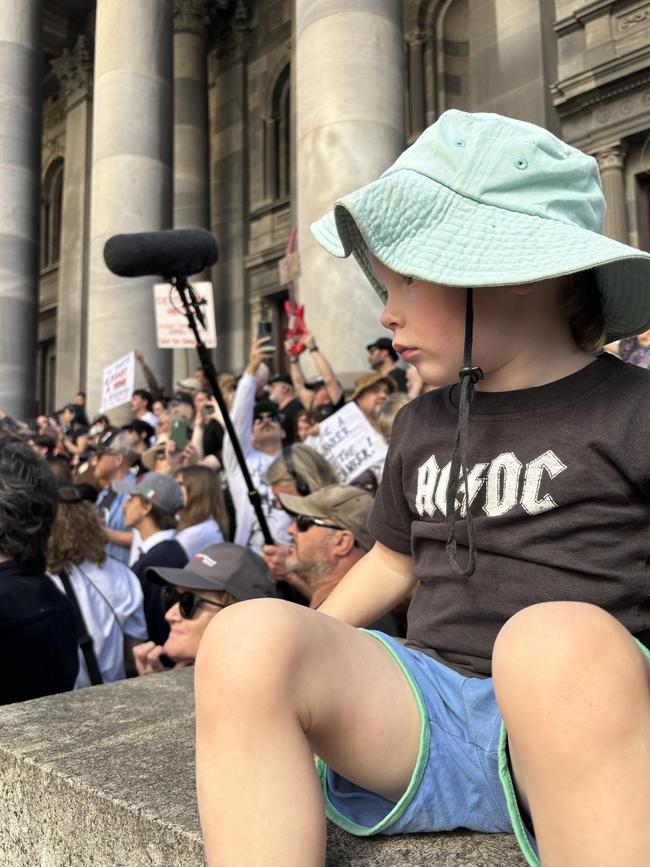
[172, 330]
[349, 442]
[118, 382]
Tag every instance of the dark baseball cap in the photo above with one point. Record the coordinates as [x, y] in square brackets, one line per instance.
[383, 343]
[263, 407]
[280, 377]
[183, 397]
[223, 567]
[319, 382]
[163, 491]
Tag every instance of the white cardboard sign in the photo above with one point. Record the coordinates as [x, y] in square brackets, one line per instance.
[118, 382]
[349, 442]
[172, 329]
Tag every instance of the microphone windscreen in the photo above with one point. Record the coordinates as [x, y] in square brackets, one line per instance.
[170, 253]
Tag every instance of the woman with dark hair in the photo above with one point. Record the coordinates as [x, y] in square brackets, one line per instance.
[37, 626]
[203, 519]
[108, 594]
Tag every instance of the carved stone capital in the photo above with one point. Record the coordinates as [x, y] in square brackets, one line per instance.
[74, 71]
[611, 157]
[416, 38]
[193, 16]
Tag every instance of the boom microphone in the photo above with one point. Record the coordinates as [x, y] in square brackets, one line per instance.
[170, 253]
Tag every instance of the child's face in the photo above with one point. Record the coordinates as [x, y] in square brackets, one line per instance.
[428, 323]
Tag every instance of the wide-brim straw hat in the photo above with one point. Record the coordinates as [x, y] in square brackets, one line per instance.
[369, 380]
[485, 200]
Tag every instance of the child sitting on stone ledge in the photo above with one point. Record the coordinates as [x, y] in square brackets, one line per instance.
[520, 702]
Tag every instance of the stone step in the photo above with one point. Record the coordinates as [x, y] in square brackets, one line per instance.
[104, 777]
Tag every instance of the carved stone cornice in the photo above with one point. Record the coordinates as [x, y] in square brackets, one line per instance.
[193, 16]
[416, 37]
[73, 69]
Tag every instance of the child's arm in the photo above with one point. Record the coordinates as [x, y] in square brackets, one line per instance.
[372, 587]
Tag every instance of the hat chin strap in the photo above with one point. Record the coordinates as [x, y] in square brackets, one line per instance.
[469, 376]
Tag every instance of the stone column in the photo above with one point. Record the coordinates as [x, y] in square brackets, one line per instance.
[191, 133]
[131, 174]
[20, 161]
[348, 131]
[416, 41]
[611, 162]
[73, 69]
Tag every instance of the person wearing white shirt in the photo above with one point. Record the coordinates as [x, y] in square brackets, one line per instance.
[203, 518]
[151, 507]
[260, 435]
[108, 594]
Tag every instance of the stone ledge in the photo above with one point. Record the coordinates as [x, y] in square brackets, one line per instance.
[104, 777]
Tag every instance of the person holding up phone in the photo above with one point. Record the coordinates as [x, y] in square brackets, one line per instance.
[261, 435]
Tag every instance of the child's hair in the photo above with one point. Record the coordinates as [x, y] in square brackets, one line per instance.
[584, 310]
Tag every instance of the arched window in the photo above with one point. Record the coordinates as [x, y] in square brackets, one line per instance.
[51, 215]
[453, 44]
[438, 75]
[277, 140]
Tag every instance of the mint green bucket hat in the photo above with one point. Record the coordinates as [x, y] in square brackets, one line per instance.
[485, 200]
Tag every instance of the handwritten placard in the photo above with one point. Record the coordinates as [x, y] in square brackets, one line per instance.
[118, 382]
[172, 330]
[349, 442]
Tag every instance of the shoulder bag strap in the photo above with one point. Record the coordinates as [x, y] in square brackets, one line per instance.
[83, 636]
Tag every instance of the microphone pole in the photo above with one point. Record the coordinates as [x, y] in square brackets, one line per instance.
[192, 310]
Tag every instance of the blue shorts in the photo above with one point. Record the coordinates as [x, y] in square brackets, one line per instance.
[462, 777]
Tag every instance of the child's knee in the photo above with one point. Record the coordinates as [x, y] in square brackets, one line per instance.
[560, 658]
[249, 648]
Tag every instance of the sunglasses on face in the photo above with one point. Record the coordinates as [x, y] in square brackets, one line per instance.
[304, 522]
[188, 603]
[266, 416]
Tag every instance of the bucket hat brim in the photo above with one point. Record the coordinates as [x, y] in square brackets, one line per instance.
[416, 226]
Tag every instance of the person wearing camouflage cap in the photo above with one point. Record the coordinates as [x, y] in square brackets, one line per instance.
[329, 535]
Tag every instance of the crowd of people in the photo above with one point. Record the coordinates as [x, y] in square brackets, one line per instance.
[145, 531]
[519, 702]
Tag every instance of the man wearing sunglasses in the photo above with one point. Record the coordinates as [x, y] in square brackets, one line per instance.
[215, 578]
[329, 535]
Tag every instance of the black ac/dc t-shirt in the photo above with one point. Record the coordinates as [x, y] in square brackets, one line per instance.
[559, 489]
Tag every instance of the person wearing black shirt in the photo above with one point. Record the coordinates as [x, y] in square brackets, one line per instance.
[280, 390]
[382, 358]
[38, 636]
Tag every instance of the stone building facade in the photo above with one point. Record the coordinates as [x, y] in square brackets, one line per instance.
[249, 117]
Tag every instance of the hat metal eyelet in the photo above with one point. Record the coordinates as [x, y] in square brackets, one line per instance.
[460, 143]
[521, 164]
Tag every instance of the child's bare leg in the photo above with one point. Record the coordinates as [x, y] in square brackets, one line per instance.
[274, 683]
[573, 688]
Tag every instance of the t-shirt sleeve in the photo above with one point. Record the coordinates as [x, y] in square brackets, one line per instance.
[389, 521]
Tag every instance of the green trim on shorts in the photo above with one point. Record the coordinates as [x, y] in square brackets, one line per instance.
[420, 766]
[521, 832]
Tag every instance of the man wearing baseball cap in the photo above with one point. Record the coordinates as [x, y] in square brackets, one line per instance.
[280, 392]
[215, 578]
[112, 461]
[151, 507]
[329, 535]
[382, 358]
